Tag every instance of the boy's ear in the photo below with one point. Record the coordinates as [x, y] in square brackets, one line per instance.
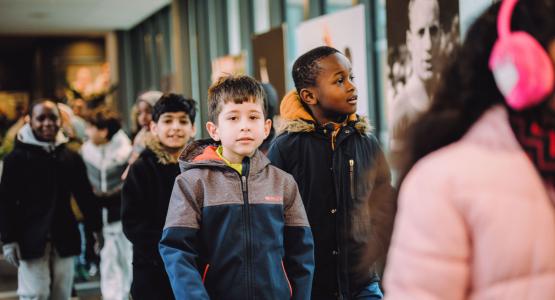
[213, 130]
[308, 96]
[193, 131]
[267, 127]
[153, 126]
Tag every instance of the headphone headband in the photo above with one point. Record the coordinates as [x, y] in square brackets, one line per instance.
[504, 18]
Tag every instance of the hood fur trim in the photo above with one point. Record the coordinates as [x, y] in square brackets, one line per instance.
[297, 119]
[152, 143]
[362, 125]
[291, 108]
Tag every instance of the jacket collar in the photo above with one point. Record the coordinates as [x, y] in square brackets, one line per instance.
[297, 119]
[26, 136]
[154, 145]
[202, 153]
[115, 152]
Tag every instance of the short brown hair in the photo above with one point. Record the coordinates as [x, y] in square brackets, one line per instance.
[236, 89]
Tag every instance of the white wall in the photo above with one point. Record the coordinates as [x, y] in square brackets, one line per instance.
[469, 10]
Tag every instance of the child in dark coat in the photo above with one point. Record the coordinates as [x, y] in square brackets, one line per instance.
[147, 189]
[342, 175]
[37, 226]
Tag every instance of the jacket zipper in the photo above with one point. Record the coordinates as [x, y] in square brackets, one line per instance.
[352, 177]
[244, 189]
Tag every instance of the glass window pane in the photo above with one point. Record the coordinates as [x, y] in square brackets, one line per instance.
[261, 16]
[337, 5]
[233, 26]
[295, 15]
[381, 61]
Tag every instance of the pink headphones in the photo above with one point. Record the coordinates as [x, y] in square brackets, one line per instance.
[522, 69]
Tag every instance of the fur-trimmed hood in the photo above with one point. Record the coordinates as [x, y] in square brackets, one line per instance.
[297, 119]
[153, 143]
[195, 149]
[195, 155]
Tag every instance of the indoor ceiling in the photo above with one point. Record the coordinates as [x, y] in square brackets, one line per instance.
[73, 16]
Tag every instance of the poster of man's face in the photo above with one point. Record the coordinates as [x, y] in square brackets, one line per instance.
[421, 34]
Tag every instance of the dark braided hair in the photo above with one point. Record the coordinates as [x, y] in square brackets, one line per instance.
[306, 69]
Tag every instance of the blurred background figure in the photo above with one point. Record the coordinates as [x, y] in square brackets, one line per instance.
[37, 226]
[147, 190]
[271, 102]
[143, 106]
[106, 153]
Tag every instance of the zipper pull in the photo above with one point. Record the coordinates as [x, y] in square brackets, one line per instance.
[352, 177]
[244, 182]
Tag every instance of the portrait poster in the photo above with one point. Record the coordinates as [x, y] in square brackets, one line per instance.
[421, 34]
[346, 31]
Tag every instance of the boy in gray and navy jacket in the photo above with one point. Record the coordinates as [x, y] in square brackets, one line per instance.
[236, 226]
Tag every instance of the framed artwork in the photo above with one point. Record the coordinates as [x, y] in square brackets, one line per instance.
[421, 34]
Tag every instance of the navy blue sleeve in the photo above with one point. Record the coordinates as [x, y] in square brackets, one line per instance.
[299, 260]
[179, 252]
[298, 244]
[178, 246]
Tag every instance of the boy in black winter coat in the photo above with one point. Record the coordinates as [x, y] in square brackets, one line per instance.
[37, 225]
[147, 189]
[342, 175]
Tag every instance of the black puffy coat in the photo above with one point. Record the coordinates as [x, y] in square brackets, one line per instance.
[145, 197]
[35, 197]
[347, 196]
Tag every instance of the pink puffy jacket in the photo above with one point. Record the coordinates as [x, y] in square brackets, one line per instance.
[475, 221]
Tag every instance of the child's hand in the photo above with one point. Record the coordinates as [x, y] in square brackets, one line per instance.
[99, 242]
[12, 254]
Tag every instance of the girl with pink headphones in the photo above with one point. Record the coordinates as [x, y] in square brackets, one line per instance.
[476, 217]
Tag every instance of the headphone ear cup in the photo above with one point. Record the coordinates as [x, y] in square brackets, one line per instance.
[522, 69]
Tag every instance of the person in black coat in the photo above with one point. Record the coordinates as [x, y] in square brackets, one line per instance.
[147, 190]
[37, 225]
[343, 177]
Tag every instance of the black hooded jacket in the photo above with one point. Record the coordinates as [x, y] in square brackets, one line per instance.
[347, 195]
[145, 197]
[35, 194]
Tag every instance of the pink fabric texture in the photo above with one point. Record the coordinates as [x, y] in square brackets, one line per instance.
[475, 221]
